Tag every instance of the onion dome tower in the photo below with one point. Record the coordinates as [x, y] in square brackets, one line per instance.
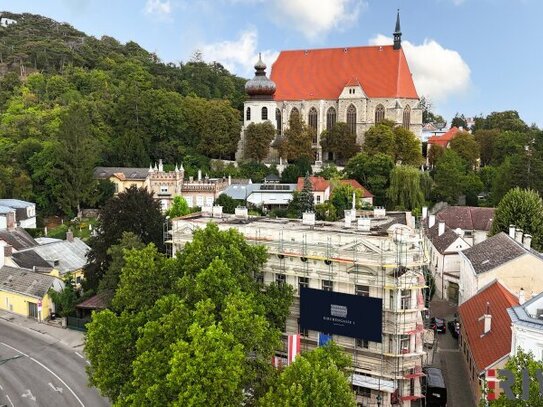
[260, 87]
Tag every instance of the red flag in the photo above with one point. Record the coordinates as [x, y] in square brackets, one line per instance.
[293, 347]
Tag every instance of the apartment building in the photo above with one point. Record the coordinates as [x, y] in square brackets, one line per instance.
[376, 256]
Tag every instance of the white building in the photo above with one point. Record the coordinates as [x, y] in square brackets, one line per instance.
[386, 263]
[25, 212]
[472, 223]
[360, 86]
[527, 326]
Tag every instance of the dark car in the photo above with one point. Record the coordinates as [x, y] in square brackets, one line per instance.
[433, 388]
[454, 328]
[438, 325]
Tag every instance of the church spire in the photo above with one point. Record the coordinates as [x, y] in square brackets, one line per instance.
[397, 33]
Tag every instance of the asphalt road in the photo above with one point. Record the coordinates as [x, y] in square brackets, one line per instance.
[37, 370]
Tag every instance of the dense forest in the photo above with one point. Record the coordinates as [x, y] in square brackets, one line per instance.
[69, 102]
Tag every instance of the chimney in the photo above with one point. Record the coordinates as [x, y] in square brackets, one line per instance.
[431, 220]
[512, 231]
[518, 235]
[199, 175]
[521, 296]
[487, 320]
[70, 235]
[527, 241]
[441, 228]
[424, 212]
[8, 250]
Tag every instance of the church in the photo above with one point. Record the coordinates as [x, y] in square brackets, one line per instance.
[360, 86]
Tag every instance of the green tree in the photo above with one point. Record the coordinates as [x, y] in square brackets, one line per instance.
[292, 172]
[297, 142]
[427, 115]
[257, 140]
[405, 192]
[465, 145]
[373, 172]
[228, 204]
[508, 120]
[407, 147]
[342, 198]
[221, 130]
[459, 121]
[516, 364]
[380, 139]
[486, 140]
[66, 299]
[326, 211]
[306, 196]
[133, 210]
[179, 207]
[319, 378]
[449, 174]
[340, 141]
[524, 209]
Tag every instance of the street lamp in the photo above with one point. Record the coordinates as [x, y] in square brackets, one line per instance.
[378, 400]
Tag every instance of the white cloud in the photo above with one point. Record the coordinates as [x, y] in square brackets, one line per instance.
[239, 56]
[438, 72]
[158, 8]
[314, 19]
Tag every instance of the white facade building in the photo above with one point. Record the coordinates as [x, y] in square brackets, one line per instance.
[527, 326]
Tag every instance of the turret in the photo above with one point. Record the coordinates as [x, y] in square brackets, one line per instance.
[397, 33]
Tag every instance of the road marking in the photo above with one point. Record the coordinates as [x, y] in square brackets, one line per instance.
[29, 394]
[49, 370]
[58, 389]
[82, 357]
[1, 388]
[10, 402]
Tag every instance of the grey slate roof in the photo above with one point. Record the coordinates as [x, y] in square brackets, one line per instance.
[467, 217]
[16, 203]
[239, 192]
[18, 238]
[441, 243]
[493, 252]
[71, 256]
[129, 173]
[25, 281]
[519, 316]
[29, 259]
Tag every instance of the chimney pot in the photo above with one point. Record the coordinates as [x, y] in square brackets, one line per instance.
[8, 250]
[518, 235]
[512, 231]
[431, 220]
[527, 241]
[441, 228]
[424, 212]
[70, 235]
[521, 296]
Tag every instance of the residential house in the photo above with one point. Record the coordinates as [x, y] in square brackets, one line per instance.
[122, 177]
[320, 186]
[7, 217]
[25, 292]
[485, 333]
[502, 257]
[16, 239]
[441, 140]
[269, 195]
[443, 246]
[365, 195]
[25, 212]
[527, 326]
[473, 223]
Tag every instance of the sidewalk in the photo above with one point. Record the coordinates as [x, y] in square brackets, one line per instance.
[69, 337]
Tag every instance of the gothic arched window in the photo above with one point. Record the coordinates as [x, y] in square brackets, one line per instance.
[312, 121]
[330, 118]
[294, 111]
[264, 114]
[278, 121]
[406, 117]
[248, 114]
[351, 118]
[379, 114]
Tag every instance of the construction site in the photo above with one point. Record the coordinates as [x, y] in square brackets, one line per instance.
[373, 254]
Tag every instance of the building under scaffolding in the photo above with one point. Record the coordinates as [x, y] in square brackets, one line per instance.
[378, 256]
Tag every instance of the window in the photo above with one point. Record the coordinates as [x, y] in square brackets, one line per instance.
[392, 304]
[327, 285]
[303, 332]
[330, 118]
[406, 299]
[278, 121]
[163, 189]
[189, 201]
[164, 204]
[209, 201]
[404, 344]
[264, 113]
[248, 114]
[351, 118]
[362, 343]
[362, 290]
[406, 117]
[200, 201]
[78, 280]
[363, 391]
[312, 121]
[293, 112]
[379, 114]
[280, 279]
[303, 282]
[318, 199]
[116, 186]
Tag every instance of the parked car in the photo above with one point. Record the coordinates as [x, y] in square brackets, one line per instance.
[439, 325]
[433, 388]
[454, 328]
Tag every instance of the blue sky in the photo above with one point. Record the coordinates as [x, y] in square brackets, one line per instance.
[468, 56]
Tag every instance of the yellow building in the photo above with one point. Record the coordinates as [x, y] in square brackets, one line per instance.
[25, 292]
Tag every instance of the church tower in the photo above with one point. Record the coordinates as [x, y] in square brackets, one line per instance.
[397, 33]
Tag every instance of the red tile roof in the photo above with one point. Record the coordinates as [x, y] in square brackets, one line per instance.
[319, 184]
[98, 301]
[323, 73]
[356, 185]
[444, 139]
[489, 348]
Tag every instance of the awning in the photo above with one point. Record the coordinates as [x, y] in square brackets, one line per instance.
[372, 383]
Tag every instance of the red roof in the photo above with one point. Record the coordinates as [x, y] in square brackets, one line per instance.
[356, 185]
[323, 73]
[98, 301]
[319, 184]
[444, 139]
[489, 348]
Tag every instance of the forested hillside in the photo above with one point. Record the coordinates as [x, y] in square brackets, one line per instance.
[69, 101]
